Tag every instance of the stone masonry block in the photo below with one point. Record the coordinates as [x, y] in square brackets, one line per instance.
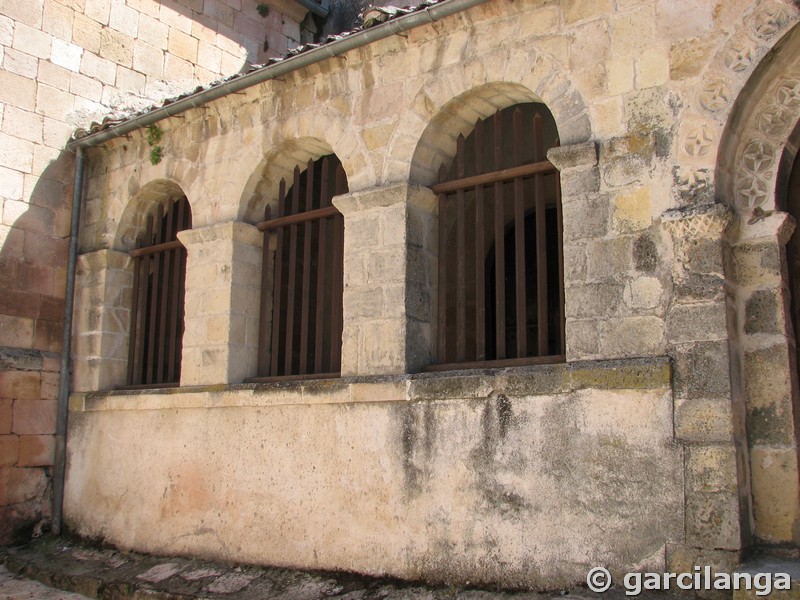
[375, 355]
[23, 124]
[608, 260]
[117, 47]
[702, 370]
[583, 338]
[697, 322]
[34, 417]
[124, 18]
[756, 263]
[364, 303]
[21, 485]
[764, 313]
[707, 420]
[148, 59]
[775, 493]
[683, 558]
[632, 211]
[576, 10]
[36, 450]
[711, 469]
[593, 300]
[619, 75]
[9, 450]
[643, 293]
[86, 33]
[702, 255]
[652, 67]
[23, 385]
[6, 412]
[21, 63]
[183, 45]
[585, 218]
[67, 55]
[386, 266]
[17, 90]
[32, 41]
[632, 336]
[177, 69]
[769, 392]
[712, 520]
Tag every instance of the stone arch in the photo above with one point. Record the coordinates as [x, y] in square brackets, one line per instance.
[756, 151]
[759, 130]
[451, 103]
[132, 220]
[703, 141]
[261, 188]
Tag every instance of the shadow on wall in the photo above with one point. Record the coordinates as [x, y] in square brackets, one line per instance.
[33, 266]
[261, 36]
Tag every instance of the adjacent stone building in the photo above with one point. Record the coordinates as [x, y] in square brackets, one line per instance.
[293, 345]
[62, 64]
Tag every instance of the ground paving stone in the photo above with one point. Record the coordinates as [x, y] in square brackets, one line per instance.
[65, 569]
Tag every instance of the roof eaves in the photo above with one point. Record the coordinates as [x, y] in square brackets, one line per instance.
[374, 18]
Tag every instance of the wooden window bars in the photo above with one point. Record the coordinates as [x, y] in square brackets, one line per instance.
[302, 276]
[159, 270]
[501, 276]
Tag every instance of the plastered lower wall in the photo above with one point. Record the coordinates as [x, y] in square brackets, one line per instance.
[523, 478]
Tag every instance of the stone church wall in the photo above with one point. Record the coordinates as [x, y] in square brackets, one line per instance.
[649, 408]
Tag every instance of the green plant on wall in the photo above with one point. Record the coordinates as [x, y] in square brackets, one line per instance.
[154, 135]
[156, 154]
[263, 9]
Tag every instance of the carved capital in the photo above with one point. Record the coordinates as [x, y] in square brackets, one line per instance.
[707, 220]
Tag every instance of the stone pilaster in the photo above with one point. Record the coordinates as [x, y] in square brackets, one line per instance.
[707, 416]
[104, 280]
[389, 279]
[223, 282]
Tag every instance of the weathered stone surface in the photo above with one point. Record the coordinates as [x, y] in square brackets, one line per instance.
[697, 323]
[764, 313]
[775, 497]
[645, 254]
[704, 420]
[701, 370]
[769, 393]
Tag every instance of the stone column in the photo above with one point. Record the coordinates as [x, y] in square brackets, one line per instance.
[101, 326]
[708, 417]
[766, 374]
[389, 279]
[223, 290]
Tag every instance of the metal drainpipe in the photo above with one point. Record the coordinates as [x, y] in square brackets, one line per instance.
[66, 349]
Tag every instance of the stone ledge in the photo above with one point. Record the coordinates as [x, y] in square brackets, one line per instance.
[379, 197]
[235, 231]
[574, 156]
[537, 380]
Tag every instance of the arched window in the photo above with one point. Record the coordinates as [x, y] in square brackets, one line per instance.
[159, 271]
[501, 281]
[301, 289]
